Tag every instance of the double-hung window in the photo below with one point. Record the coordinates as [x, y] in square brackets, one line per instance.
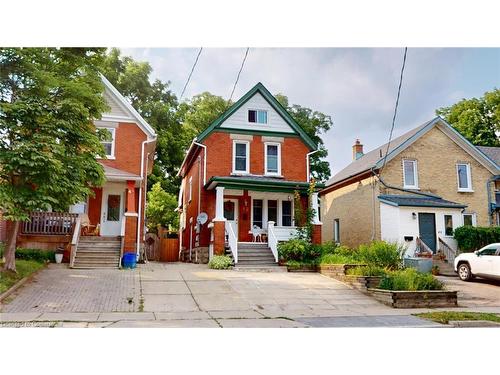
[273, 158]
[257, 213]
[257, 116]
[448, 225]
[241, 162]
[286, 213]
[464, 177]
[109, 143]
[410, 175]
[469, 219]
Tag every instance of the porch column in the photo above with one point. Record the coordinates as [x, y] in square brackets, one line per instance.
[131, 219]
[219, 204]
[316, 223]
[219, 222]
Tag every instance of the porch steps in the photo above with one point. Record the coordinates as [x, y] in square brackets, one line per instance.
[445, 268]
[256, 257]
[98, 252]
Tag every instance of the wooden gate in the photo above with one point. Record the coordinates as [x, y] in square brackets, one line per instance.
[169, 246]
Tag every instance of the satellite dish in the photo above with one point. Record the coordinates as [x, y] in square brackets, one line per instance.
[202, 218]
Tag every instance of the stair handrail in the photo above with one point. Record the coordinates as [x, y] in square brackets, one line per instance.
[232, 241]
[448, 252]
[272, 240]
[75, 238]
[122, 242]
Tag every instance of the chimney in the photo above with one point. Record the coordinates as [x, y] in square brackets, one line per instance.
[357, 150]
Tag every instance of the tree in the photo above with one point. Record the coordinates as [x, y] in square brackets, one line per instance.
[199, 112]
[48, 143]
[477, 119]
[161, 208]
[314, 124]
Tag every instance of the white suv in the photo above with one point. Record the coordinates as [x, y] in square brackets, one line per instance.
[484, 262]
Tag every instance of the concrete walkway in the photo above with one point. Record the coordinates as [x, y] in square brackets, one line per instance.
[190, 295]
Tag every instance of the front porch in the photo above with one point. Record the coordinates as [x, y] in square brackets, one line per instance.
[258, 211]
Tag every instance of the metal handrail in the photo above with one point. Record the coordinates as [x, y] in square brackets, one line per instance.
[421, 244]
[232, 241]
[74, 240]
[272, 240]
[448, 252]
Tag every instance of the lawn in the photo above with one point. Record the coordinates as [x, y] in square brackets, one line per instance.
[445, 317]
[24, 268]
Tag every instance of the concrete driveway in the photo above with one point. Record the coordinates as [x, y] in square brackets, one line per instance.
[190, 295]
[478, 293]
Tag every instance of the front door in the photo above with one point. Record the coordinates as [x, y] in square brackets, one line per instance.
[231, 214]
[112, 210]
[427, 229]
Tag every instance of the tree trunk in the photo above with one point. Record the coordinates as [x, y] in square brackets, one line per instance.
[10, 249]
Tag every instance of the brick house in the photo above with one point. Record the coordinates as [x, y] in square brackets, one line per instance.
[433, 181]
[97, 232]
[238, 182]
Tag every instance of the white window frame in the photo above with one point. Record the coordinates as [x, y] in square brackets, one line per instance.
[278, 173]
[469, 178]
[257, 116]
[444, 225]
[247, 164]
[474, 219]
[113, 141]
[415, 174]
[190, 195]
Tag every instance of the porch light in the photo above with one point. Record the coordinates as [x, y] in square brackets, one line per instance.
[414, 215]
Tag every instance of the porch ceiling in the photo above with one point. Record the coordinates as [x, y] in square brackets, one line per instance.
[258, 183]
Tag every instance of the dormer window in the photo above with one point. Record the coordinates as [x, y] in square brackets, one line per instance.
[257, 116]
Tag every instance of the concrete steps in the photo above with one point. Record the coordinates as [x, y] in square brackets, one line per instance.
[256, 257]
[98, 252]
[445, 268]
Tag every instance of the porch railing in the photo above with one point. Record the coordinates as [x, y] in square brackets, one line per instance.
[49, 223]
[272, 239]
[422, 246]
[122, 241]
[232, 241]
[448, 252]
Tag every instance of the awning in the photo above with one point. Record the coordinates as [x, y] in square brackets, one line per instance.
[259, 183]
[406, 200]
[113, 174]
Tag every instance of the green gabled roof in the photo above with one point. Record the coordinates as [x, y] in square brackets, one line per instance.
[260, 88]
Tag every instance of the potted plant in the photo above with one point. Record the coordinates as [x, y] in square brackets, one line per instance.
[59, 254]
[435, 270]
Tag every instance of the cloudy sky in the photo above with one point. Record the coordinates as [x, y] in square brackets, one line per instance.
[356, 87]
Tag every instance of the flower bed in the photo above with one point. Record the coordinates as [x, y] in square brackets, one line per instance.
[415, 299]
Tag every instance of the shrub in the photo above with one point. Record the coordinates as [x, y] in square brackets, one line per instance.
[294, 264]
[338, 259]
[295, 249]
[325, 248]
[33, 254]
[410, 279]
[471, 238]
[370, 270]
[220, 262]
[382, 254]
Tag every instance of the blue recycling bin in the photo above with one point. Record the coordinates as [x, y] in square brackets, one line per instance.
[129, 260]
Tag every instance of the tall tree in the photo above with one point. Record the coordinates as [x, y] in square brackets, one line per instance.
[314, 124]
[161, 209]
[477, 119]
[48, 143]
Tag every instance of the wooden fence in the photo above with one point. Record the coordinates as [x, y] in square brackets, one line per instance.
[49, 223]
[168, 246]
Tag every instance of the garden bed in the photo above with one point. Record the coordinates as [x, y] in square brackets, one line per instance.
[336, 271]
[26, 270]
[339, 272]
[415, 299]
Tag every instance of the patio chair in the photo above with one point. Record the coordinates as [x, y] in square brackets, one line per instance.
[87, 228]
[256, 233]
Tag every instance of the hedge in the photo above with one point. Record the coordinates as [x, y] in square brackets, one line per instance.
[471, 238]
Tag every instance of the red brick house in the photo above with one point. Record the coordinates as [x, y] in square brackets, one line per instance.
[238, 182]
[97, 232]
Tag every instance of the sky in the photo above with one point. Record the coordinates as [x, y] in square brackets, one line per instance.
[357, 87]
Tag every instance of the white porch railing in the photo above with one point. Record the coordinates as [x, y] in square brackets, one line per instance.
[232, 241]
[75, 238]
[277, 234]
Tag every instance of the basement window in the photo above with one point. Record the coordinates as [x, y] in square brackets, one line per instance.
[257, 116]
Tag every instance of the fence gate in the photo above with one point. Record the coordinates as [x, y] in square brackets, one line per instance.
[169, 246]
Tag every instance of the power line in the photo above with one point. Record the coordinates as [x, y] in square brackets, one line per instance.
[395, 108]
[238, 77]
[191, 73]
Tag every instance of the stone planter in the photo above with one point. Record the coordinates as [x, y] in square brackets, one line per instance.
[303, 268]
[415, 299]
[337, 271]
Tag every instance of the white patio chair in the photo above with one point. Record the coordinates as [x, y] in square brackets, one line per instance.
[256, 233]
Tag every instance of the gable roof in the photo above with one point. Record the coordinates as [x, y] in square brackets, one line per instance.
[148, 130]
[491, 152]
[375, 158]
[260, 88]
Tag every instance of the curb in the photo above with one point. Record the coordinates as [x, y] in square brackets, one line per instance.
[473, 324]
[20, 283]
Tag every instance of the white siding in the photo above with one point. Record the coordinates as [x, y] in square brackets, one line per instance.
[116, 109]
[398, 222]
[239, 119]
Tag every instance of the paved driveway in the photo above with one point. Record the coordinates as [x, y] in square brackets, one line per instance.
[478, 293]
[190, 295]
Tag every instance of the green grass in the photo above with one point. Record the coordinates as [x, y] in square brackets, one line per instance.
[444, 317]
[24, 268]
[338, 259]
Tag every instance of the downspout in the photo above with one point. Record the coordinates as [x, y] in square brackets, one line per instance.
[139, 212]
[307, 164]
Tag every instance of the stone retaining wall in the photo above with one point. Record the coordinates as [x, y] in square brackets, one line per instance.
[415, 299]
[198, 255]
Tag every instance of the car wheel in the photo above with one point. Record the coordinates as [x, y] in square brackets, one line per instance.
[464, 272]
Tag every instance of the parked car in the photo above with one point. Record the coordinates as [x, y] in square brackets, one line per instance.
[484, 262]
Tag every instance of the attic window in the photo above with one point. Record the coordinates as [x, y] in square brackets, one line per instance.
[257, 116]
